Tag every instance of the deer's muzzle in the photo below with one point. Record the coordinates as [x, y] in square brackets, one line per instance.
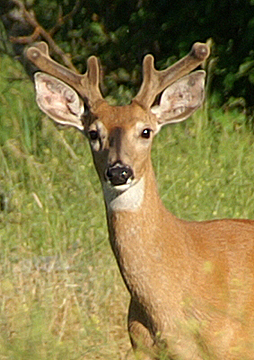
[119, 174]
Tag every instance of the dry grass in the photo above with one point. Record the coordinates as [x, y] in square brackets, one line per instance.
[59, 306]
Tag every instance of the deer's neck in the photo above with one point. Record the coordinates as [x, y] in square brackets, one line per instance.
[137, 222]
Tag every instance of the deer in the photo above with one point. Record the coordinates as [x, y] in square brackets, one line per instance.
[191, 283]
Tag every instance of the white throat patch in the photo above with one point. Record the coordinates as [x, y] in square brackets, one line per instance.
[127, 200]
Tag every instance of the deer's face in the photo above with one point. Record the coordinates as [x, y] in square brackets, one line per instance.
[121, 139]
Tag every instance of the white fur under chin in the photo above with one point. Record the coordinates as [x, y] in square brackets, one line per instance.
[128, 197]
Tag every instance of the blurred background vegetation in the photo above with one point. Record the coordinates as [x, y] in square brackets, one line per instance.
[121, 32]
[61, 295]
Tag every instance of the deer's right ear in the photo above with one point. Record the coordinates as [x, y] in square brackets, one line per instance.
[58, 100]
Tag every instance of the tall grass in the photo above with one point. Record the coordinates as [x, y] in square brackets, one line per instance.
[61, 295]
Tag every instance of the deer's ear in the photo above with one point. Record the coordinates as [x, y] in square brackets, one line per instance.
[58, 100]
[180, 99]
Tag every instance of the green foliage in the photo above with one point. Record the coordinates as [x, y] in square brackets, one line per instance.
[121, 33]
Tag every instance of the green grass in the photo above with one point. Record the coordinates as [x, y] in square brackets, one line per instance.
[61, 295]
[207, 174]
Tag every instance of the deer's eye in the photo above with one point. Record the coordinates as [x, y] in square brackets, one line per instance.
[93, 134]
[146, 133]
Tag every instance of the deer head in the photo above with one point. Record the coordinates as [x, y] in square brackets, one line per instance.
[120, 136]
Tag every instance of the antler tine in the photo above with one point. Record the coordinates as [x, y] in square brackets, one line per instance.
[155, 81]
[43, 47]
[86, 85]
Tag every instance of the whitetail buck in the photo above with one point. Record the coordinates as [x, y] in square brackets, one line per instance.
[191, 283]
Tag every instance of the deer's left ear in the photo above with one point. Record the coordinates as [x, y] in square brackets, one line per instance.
[180, 99]
[58, 100]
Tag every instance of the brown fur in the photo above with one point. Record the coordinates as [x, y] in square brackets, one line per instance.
[191, 283]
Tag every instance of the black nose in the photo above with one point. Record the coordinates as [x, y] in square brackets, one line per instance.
[118, 174]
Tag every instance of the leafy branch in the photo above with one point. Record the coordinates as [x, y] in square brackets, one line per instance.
[40, 33]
